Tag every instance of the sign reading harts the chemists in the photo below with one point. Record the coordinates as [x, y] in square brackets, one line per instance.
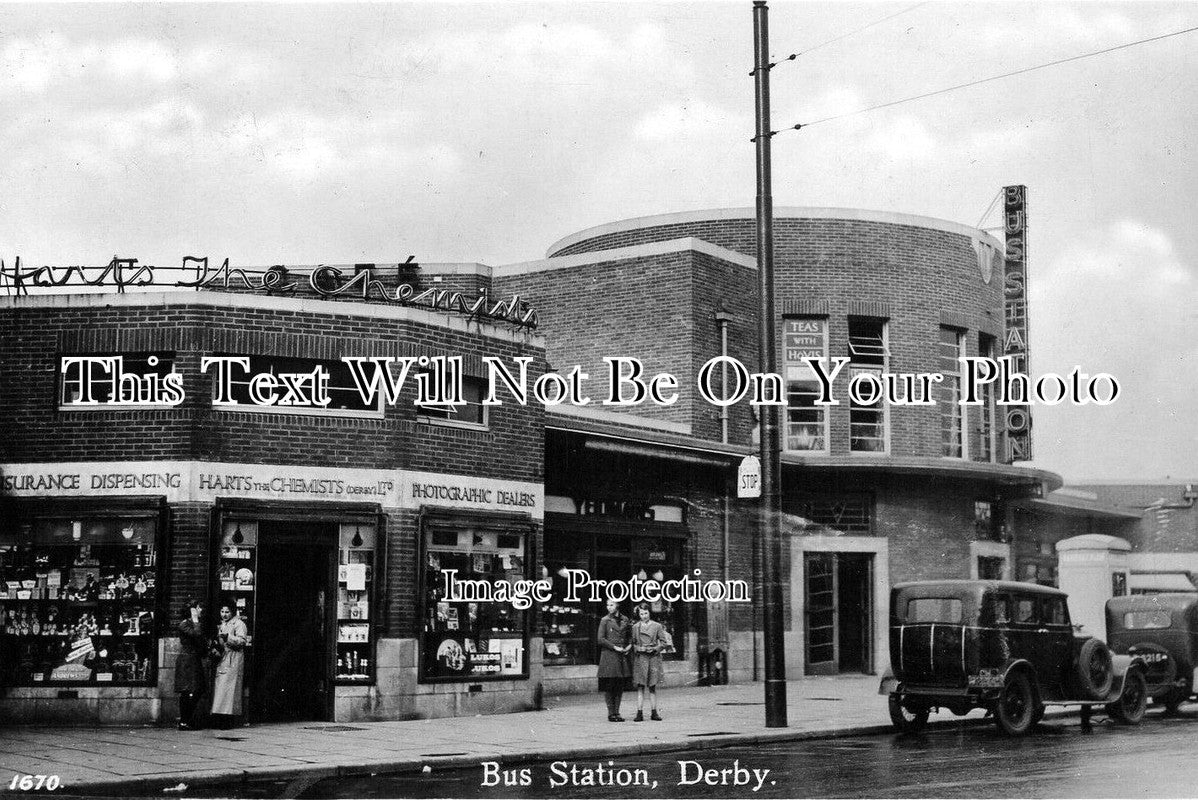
[1019, 417]
[324, 280]
[203, 481]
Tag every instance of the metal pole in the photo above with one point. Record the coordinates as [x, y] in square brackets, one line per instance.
[771, 445]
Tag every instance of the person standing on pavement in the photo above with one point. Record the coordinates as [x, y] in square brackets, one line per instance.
[227, 691]
[191, 679]
[649, 641]
[613, 659]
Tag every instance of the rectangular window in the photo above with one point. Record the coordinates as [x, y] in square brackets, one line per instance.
[105, 381]
[844, 515]
[297, 393]
[1053, 611]
[934, 609]
[987, 432]
[806, 423]
[471, 413]
[78, 602]
[952, 428]
[1147, 620]
[868, 354]
[474, 639]
[990, 568]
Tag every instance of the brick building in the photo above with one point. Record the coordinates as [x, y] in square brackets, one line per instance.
[872, 494]
[323, 523]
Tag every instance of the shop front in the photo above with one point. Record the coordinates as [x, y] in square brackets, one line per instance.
[97, 558]
[612, 540]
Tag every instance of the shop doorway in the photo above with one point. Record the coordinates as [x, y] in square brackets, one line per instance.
[838, 612]
[291, 668]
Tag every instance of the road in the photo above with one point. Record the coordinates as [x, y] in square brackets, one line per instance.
[1058, 759]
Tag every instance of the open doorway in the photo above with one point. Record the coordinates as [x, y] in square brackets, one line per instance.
[838, 620]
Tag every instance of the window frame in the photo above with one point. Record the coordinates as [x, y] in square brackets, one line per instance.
[882, 351]
[950, 393]
[797, 373]
[378, 412]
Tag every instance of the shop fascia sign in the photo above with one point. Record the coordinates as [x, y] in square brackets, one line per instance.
[202, 481]
[324, 281]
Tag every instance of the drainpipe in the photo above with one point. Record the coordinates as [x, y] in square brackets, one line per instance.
[722, 318]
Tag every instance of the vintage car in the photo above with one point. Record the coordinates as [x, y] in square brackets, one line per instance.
[1002, 646]
[1161, 630]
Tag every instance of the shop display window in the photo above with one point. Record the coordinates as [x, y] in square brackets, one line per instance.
[78, 601]
[238, 568]
[472, 640]
[570, 629]
[355, 586]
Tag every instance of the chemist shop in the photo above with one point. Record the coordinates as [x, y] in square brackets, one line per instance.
[310, 566]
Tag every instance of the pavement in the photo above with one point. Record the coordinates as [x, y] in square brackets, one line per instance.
[148, 760]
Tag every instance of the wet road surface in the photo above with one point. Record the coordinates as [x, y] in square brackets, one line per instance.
[1157, 759]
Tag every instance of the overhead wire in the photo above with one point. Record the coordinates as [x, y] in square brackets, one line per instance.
[968, 84]
[813, 48]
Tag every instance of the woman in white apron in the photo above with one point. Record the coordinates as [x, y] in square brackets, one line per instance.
[230, 672]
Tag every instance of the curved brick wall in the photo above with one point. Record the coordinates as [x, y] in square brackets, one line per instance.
[917, 273]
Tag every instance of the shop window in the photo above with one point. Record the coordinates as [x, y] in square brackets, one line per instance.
[952, 429]
[570, 628]
[344, 398]
[355, 587]
[132, 380]
[472, 412]
[472, 640]
[987, 433]
[237, 568]
[78, 602]
[806, 422]
[986, 522]
[867, 354]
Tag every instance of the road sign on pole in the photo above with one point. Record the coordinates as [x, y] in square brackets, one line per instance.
[748, 478]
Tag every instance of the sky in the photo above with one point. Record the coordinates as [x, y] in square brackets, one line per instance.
[304, 133]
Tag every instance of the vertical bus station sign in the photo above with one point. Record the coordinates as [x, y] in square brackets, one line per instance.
[1018, 418]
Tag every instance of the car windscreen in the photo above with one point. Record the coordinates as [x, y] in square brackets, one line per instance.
[934, 609]
[1146, 620]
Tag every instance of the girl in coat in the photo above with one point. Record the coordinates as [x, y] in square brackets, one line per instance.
[227, 691]
[649, 641]
[613, 659]
[191, 679]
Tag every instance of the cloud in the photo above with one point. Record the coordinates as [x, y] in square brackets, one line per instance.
[1120, 301]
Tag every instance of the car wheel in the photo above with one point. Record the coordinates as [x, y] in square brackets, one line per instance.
[1133, 700]
[906, 718]
[1016, 707]
[1095, 670]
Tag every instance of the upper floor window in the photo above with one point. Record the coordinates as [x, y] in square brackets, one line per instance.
[868, 353]
[806, 423]
[292, 386]
[470, 413]
[952, 413]
[95, 382]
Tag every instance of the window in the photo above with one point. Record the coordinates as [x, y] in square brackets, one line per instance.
[78, 602]
[127, 380]
[473, 639]
[1025, 610]
[344, 398]
[1146, 620]
[843, 515]
[806, 422]
[1118, 584]
[952, 439]
[867, 354]
[472, 412]
[1002, 609]
[987, 433]
[986, 524]
[1053, 612]
[934, 609]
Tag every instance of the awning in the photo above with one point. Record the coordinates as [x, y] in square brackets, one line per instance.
[1161, 582]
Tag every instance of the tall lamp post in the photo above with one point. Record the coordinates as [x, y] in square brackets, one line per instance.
[771, 445]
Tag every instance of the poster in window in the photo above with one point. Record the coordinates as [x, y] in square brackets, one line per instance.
[446, 656]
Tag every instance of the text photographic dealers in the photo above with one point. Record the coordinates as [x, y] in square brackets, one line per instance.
[609, 773]
[440, 381]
